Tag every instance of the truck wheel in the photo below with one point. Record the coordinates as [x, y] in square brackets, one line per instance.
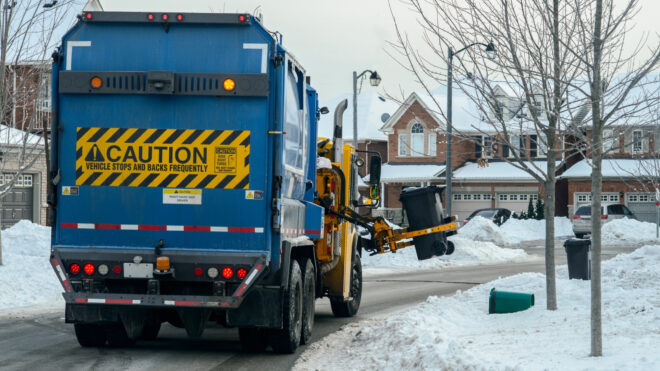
[309, 300]
[89, 335]
[287, 339]
[150, 331]
[341, 308]
[450, 248]
[253, 339]
[117, 337]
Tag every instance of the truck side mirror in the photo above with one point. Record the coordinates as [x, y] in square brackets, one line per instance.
[374, 170]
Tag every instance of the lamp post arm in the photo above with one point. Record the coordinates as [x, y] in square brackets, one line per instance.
[467, 47]
[362, 74]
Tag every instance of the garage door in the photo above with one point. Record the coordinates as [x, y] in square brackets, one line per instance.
[516, 202]
[17, 204]
[465, 203]
[643, 205]
[584, 198]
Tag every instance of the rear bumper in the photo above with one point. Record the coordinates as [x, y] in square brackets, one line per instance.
[82, 288]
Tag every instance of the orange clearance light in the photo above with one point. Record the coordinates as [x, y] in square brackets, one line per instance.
[229, 84]
[163, 263]
[96, 82]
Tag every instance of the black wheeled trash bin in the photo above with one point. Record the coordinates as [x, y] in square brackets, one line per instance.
[579, 260]
[424, 209]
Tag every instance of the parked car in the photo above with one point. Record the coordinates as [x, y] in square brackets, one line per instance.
[496, 215]
[582, 217]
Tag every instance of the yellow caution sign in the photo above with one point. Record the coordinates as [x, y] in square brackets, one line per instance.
[175, 158]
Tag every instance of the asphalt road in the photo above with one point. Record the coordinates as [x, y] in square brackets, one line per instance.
[46, 342]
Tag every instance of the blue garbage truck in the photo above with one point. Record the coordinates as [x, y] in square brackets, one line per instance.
[187, 184]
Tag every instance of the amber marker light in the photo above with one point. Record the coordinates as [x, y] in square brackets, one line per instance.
[96, 82]
[163, 263]
[229, 84]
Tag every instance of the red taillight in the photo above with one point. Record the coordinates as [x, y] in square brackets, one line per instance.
[198, 272]
[179, 17]
[89, 269]
[241, 18]
[603, 216]
[117, 269]
[227, 272]
[89, 15]
[241, 273]
[150, 17]
[576, 216]
[74, 268]
[465, 222]
[166, 17]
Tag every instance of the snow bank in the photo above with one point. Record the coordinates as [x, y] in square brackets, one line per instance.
[513, 231]
[457, 333]
[467, 252]
[27, 278]
[628, 230]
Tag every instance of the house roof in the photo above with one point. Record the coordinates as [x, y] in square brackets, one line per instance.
[388, 127]
[616, 168]
[397, 173]
[500, 171]
[16, 137]
[371, 108]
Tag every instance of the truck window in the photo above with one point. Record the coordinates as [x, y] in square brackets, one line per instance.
[296, 137]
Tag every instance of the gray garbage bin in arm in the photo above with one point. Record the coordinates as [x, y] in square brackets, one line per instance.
[579, 260]
[424, 209]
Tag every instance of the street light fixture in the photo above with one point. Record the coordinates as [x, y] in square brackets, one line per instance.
[491, 54]
[374, 80]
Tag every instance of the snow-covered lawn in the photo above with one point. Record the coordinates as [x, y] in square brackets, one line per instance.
[467, 252]
[626, 230]
[457, 333]
[513, 231]
[27, 280]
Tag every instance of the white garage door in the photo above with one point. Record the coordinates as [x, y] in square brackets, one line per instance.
[466, 202]
[643, 205]
[516, 202]
[584, 198]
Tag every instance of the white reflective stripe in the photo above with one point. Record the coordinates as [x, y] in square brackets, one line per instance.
[168, 302]
[60, 272]
[219, 229]
[86, 226]
[258, 230]
[137, 301]
[177, 228]
[97, 301]
[69, 50]
[251, 276]
[129, 227]
[264, 54]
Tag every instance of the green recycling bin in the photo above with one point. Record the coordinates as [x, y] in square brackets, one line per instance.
[509, 302]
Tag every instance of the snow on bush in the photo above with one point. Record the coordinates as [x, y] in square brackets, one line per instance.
[513, 231]
[27, 278]
[628, 230]
[467, 252]
[457, 333]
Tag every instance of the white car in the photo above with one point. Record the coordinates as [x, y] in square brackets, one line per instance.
[582, 217]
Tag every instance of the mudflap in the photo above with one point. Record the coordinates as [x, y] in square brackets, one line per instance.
[262, 307]
[86, 313]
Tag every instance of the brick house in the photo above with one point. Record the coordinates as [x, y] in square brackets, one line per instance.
[29, 85]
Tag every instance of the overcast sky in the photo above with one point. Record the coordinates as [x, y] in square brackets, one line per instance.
[332, 38]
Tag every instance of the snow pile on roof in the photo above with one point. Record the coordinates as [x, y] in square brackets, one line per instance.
[513, 231]
[498, 170]
[18, 137]
[467, 252]
[27, 278]
[392, 172]
[628, 231]
[616, 168]
[371, 108]
[457, 333]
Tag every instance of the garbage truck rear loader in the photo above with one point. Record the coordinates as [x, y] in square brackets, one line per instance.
[184, 185]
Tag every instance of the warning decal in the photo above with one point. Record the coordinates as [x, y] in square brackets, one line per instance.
[175, 158]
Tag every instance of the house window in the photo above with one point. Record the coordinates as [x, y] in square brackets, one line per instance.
[603, 198]
[582, 198]
[614, 198]
[457, 196]
[537, 109]
[403, 145]
[632, 198]
[523, 197]
[487, 147]
[8, 178]
[432, 145]
[517, 146]
[503, 197]
[608, 140]
[513, 197]
[477, 197]
[637, 141]
[643, 198]
[417, 139]
[27, 180]
[499, 110]
[542, 144]
[467, 197]
[532, 145]
[488, 196]
[19, 181]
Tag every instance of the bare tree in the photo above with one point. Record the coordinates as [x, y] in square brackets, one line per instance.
[532, 40]
[29, 31]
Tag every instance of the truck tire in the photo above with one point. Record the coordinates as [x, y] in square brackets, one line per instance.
[89, 335]
[341, 308]
[150, 331]
[253, 339]
[309, 300]
[287, 339]
[117, 337]
[450, 248]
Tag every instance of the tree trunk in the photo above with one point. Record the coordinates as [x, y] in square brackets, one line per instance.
[0, 232]
[596, 187]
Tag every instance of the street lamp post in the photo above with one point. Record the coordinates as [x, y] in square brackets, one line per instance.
[374, 80]
[490, 51]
